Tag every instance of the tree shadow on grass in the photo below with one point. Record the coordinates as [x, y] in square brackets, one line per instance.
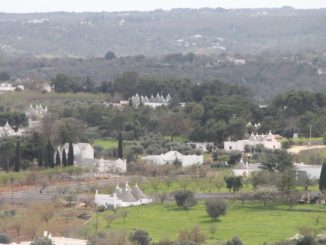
[207, 220]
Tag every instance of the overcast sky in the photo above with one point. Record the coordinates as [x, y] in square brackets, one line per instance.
[19, 6]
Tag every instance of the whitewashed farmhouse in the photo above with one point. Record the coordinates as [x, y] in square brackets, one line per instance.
[245, 169]
[172, 157]
[8, 131]
[8, 87]
[84, 156]
[268, 141]
[125, 197]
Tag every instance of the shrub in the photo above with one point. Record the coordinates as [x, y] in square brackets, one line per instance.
[140, 237]
[306, 240]
[4, 239]
[100, 209]
[215, 208]
[234, 241]
[42, 241]
[195, 235]
[185, 199]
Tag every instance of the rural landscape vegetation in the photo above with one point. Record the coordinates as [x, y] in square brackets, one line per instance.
[181, 127]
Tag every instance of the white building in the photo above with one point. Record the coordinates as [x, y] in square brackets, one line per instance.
[36, 112]
[82, 151]
[8, 87]
[154, 102]
[268, 141]
[245, 169]
[312, 171]
[125, 197]
[172, 156]
[84, 156]
[8, 131]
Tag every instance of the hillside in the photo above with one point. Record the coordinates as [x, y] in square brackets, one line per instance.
[205, 31]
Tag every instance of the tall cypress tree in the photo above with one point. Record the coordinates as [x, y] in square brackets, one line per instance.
[120, 148]
[40, 157]
[18, 157]
[50, 154]
[57, 159]
[71, 154]
[322, 178]
[46, 159]
[64, 158]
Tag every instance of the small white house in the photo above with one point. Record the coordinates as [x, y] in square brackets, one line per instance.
[82, 151]
[8, 87]
[268, 141]
[312, 171]
[245, 169]
[125, 197]
[172, 156]
[8, 131]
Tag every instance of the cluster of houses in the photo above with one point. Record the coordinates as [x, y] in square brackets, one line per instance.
[34, 115]
[153, 102]
[36, 112]
[123, 197]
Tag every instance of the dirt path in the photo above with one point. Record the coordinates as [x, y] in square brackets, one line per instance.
[299, 148]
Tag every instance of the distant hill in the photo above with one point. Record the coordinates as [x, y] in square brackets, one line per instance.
[266, 73]
[205, 31]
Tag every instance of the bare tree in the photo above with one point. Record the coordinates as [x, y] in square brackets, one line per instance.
[46, 212]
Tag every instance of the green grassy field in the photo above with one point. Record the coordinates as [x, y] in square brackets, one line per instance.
[300, 140]
[107, 143]
[253, 223]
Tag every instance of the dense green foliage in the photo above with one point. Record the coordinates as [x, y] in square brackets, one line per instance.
[215, 208]
[322, 178]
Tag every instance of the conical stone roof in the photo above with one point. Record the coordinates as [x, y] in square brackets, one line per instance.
[137, 193]
[126, 196]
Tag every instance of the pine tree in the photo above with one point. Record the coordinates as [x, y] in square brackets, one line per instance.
[71, 154]
[40, 158]
[50, 154]
[57, 159]
[64, 158]
[120, 148]
[322, 178]
[18, 157]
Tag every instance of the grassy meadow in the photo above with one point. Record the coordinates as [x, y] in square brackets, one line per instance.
[253, 223]
[107, 143]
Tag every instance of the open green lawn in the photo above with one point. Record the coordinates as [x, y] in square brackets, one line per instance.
[299, 140]
[107, 143]
[253, 223]
[177, 139]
